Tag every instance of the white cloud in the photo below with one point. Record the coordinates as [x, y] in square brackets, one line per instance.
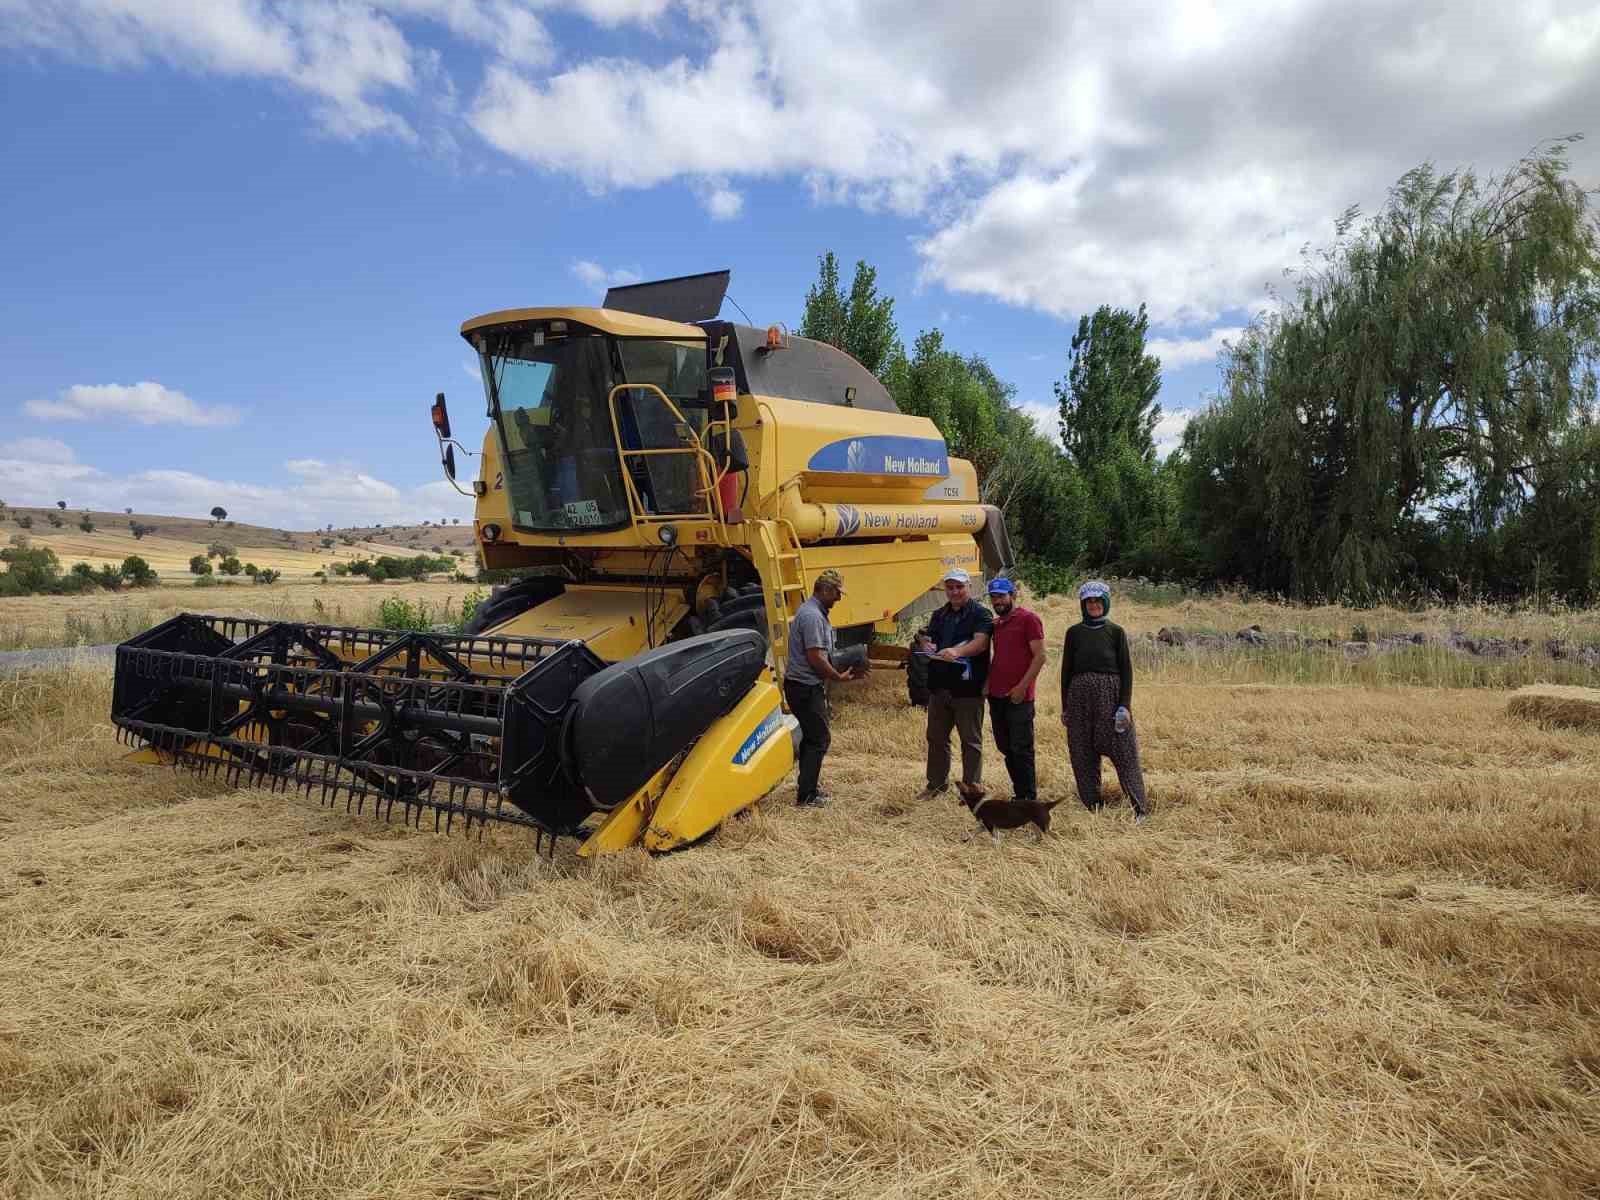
[146, 403]
[1168, 432]
[1177, 155]
[1046, 417]
[723, 203]
[40, 450]
[1182, 352]
[1180, 159]
[343, 55]
[597, 278]
[36, 471]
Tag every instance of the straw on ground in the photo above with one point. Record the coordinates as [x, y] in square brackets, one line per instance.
[1357, 954]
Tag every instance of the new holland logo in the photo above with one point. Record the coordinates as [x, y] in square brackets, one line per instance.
[855, 457]
[849, 520]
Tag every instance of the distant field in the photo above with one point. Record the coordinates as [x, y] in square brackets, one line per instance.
[178, 539]
[98, 617]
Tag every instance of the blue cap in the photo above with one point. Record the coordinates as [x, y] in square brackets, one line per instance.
[1001, 587]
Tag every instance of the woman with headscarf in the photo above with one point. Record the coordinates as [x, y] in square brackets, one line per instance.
[1096, 691]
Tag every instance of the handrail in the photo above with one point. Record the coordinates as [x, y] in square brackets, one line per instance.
[702, 458]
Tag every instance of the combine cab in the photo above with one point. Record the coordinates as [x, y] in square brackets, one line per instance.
[671, 484]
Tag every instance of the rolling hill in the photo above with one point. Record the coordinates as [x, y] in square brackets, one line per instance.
[169, 542]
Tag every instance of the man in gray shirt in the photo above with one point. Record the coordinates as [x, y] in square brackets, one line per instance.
[807, 670]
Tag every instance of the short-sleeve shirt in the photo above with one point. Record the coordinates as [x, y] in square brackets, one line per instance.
[947, 628]
[810, 630]
[1012, 634]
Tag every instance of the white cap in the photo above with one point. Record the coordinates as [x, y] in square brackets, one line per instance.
[957, 575]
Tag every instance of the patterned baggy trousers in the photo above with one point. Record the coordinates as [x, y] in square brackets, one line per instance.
[1091, 732]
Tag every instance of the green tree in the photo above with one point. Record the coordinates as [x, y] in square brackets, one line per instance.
[199, 565]
[1425, 385]
[252, 570]
[138, 572]
[860, 323]
[1108, 412]
[939, 384]
[86, 523]
[230, 565]
[1108, 399]
[32, 568]
[25, 521]
[267, 576]
[218, 514]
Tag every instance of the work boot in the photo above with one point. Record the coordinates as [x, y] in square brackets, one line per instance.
[818, 799]
[930, 792]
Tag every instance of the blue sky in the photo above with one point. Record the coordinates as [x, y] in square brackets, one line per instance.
[239, 236]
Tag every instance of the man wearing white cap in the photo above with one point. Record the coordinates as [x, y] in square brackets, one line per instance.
[957, 643]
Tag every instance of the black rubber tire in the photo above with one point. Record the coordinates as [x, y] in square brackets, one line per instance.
[511, 600]
[917, 680]
[750, 618]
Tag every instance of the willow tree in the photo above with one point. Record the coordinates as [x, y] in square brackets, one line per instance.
[1430, 366]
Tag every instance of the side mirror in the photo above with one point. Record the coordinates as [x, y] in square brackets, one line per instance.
[441, 416]
[450, 462]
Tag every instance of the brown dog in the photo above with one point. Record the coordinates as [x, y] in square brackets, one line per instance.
[996, 815]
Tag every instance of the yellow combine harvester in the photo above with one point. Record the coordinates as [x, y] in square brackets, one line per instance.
[674, 482]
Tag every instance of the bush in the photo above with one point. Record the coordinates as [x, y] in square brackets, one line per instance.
[268, 576]
[109, 577]
[208, 581]
[199, 566]
[55, 520]
[72, 583]
[396, 612]
[220, 550]
[340, 569]
[252, 570]
[86, 523]
[230, 565]
[378, 574]
[25, 521]
[32, 568]
[138, 572]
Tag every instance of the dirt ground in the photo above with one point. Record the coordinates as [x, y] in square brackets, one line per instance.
[1356, 953]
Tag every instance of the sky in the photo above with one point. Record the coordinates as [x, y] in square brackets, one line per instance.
[238, 237]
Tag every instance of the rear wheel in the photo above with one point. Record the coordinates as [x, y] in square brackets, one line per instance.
[512, 600]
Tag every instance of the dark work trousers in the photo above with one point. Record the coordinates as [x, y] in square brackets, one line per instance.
[1092, 733]
[809, 703]
[964, 714]
[1013, 737]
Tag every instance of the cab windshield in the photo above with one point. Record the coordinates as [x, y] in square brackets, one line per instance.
[549, 393]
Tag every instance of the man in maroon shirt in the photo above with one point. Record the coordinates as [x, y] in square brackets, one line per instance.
[1018, 650]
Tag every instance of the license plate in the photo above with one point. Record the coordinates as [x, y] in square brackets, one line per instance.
[583, 512]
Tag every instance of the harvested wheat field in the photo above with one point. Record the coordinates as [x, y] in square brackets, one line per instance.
[1356, 953]
[1578, 707]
